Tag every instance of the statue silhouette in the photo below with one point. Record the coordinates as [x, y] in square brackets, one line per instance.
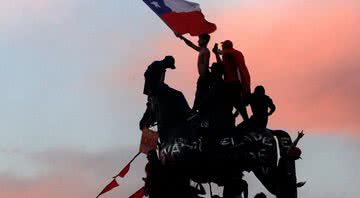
[184, 152]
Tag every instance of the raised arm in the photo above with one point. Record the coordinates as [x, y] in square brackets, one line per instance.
[216, 51]
[188, 42]
[300, 135]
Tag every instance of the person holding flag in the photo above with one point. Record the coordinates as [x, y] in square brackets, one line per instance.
[203, 81]
[184, 17]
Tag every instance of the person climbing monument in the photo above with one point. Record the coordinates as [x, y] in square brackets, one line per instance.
[154, 76]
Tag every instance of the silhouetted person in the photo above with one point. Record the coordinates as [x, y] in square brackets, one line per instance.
[221, 118]
[202, 87]
[294, 152]
[260, 195]
[288, 182]
[154, 76]
[236, 76]
[155, 180]
[260, 104]
[235, 188]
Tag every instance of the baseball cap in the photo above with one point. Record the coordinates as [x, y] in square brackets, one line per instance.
[170, 62]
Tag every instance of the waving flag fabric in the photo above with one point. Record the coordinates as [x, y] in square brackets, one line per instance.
[110, 186]
[124, 171]
[182, 16]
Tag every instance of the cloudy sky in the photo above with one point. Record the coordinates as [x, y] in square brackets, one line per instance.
[71, 77]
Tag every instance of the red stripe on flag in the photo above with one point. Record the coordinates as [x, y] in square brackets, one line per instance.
[188, 22]
[124, 171]
[139, 194]
[110, 186]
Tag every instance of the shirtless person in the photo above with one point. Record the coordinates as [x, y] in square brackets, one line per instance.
[203, 82]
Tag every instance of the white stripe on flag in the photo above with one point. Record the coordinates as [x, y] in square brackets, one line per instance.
[182, 6]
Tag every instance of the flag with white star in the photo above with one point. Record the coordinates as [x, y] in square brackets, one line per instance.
[182, 16]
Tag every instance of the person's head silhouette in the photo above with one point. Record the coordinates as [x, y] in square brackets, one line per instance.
[203, 40]
[169, 62]
[259, 90]
[227, 45]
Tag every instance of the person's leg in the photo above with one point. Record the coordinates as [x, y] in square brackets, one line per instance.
[181, 102]
[238, 101]
[202, 87]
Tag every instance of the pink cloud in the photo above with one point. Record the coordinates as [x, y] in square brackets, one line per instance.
[76, 174]
[306, 55]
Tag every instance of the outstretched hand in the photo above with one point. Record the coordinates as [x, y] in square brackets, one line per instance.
[301, 134]
[215, 49]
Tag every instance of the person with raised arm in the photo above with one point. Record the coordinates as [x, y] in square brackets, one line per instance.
[203, 60]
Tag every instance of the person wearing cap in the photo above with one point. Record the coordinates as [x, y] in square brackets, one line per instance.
[203, 82]
[236, 76]
[155, 73]
[154, 76]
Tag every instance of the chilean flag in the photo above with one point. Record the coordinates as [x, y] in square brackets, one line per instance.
[182, 16]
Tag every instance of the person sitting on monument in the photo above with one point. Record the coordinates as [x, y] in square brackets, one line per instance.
[166, 106]
[154, 75]
[260, 105]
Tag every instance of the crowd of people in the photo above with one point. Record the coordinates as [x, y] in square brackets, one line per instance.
[235, 77]
[220, 88]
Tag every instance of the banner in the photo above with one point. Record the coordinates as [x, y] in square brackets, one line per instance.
[149, 140]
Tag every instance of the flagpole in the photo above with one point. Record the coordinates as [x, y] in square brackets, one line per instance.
[134, 157]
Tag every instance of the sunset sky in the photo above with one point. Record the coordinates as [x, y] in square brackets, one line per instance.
[71, 77]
